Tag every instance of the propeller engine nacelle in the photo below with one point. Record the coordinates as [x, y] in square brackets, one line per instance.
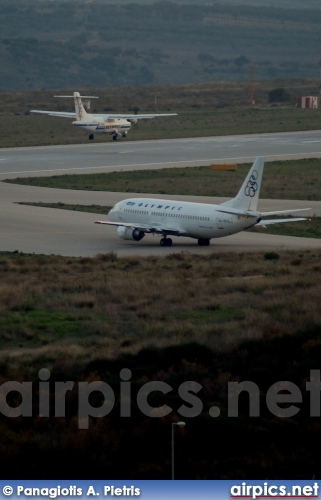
[101, 126]
[128, 233]
[132, 120]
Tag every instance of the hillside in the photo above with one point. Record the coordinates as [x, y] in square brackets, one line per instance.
[292, 4]
[98, 44]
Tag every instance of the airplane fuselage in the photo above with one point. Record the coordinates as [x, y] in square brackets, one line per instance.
[195, 220]
[92, 123]
[111, 127]
[134, 217]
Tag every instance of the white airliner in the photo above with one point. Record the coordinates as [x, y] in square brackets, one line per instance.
[136, 216]
[112, 124]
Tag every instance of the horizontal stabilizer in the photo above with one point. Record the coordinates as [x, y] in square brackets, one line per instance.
[252, 213]
[280, 212]
[82, 96]
[235, 211]
[264, 223]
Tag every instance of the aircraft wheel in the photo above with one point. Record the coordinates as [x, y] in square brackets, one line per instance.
[166, 242]
[91, 137]
[203, 242]
[114, 137]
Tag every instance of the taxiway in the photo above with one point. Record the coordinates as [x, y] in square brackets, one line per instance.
[52, 231]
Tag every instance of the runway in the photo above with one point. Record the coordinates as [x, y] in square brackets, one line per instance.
[52, 231]
[123, 155]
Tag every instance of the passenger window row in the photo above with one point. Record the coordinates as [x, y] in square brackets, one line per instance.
[167, 214]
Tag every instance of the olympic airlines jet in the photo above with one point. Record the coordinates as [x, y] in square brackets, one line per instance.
[136, 216]
[113, 124]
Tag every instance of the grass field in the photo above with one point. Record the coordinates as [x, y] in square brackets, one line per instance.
[41, 130]
[293, 179]
[207, 319]
[113, 305]
[205, 109]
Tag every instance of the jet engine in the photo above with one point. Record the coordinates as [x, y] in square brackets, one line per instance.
[128, 233]
[132, 120]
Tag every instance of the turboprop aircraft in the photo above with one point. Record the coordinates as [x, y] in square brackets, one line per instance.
[116, 125]
[136, 216]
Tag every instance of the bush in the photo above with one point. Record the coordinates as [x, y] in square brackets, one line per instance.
[271, 256]
[279, 95]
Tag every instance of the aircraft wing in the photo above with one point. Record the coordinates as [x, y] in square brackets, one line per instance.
[146, 228]
[137, 117]
[62, 114]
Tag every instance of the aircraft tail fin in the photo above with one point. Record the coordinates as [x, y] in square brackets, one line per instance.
[81, 113]
[248, 195]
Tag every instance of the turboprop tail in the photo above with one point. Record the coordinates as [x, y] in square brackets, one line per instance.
[81, 113]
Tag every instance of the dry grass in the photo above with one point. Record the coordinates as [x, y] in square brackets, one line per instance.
[55, 308]
[182, 317]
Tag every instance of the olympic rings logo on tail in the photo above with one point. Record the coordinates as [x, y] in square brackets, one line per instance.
[252, 185]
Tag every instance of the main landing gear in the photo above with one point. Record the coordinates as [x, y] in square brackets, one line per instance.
[115, 137]
[166, 242]
[91, 137]
[203, 242]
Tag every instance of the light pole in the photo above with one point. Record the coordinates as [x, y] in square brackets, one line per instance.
[180, 424]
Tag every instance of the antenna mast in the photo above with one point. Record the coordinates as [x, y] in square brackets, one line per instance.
[252, 101]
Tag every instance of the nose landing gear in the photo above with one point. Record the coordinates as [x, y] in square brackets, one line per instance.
[203, 242]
